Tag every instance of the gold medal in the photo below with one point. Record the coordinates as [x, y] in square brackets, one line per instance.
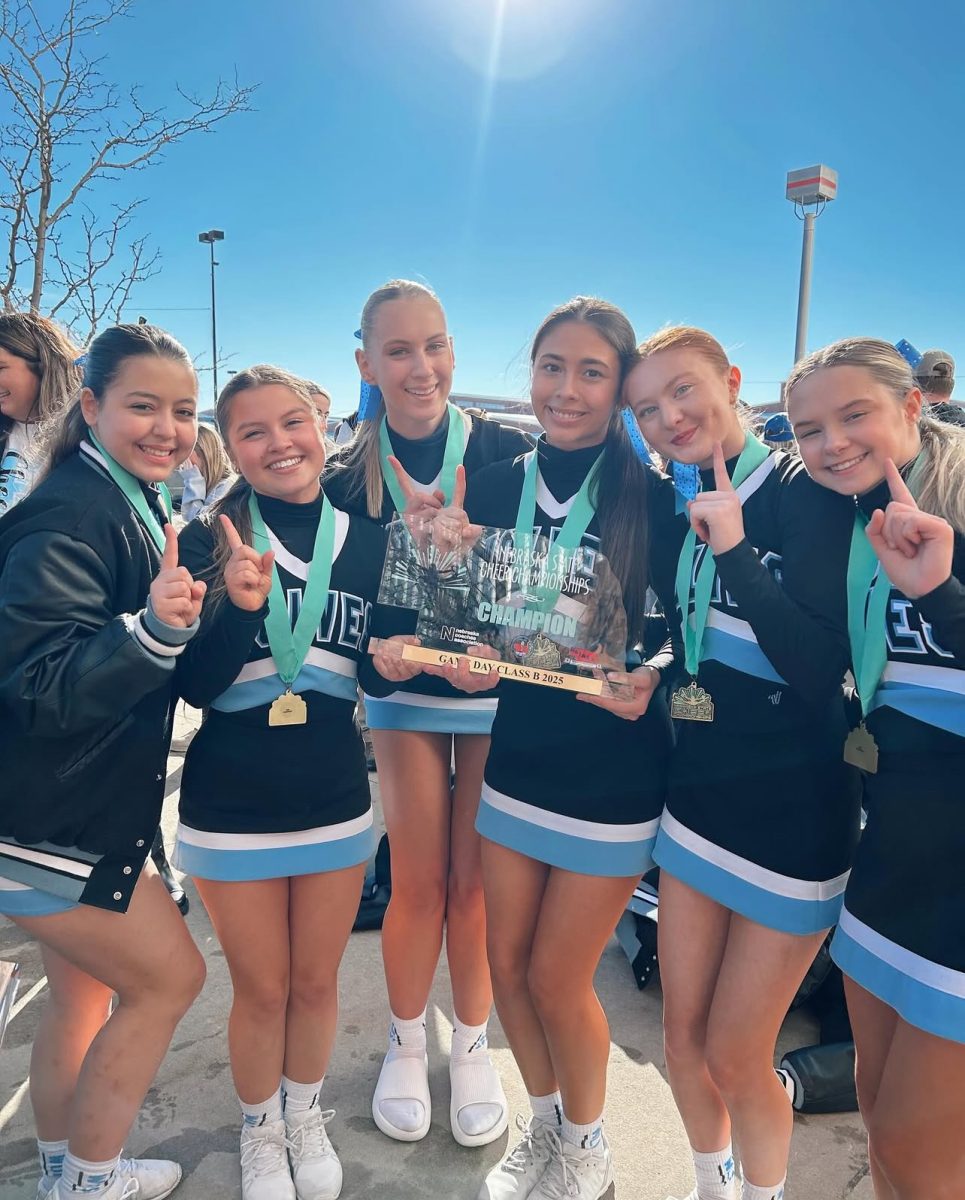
[861, 750]
[288, 709]
[692, 703]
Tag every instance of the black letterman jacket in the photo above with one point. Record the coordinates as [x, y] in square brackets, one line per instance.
[85, 677]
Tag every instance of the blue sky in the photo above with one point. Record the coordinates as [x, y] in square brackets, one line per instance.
[624, 147]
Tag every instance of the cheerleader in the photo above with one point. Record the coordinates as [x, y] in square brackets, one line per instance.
[38, 378]
[754, 849]
[422, 728]
[276, 818]
[94, 612]
[900, 942]
[572, 794]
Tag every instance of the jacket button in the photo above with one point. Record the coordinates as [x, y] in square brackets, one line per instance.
[127, 870]
[118, 896]
[159, 778]
[140, 842]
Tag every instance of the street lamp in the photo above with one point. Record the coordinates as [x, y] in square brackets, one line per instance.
[809, 190]
[212, 236]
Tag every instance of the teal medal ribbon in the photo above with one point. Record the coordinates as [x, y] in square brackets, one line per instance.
[692, 703]
[868, 590]
[454, 454]
[289, 647]
[130, 485]
[559, 556]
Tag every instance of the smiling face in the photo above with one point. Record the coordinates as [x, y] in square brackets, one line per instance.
[19, 387]
[147, 417]
[575, 385]
[409, 357]
[684, 403]
[847, 423]
[276, 443]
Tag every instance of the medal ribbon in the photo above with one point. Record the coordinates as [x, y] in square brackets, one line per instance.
[751, 457]
[569, 539]
[289, 647]
[455, 451]
[130, 485]
[866, 613]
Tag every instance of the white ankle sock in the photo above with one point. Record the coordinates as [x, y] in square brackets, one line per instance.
[51, 1157]
[753, 1192]
[468, 1040]
[265, 1113]
[405, 1038]
[716, 1178]
[548, 1109]
[586, 1137]
[300, 1097]
[87, 1178]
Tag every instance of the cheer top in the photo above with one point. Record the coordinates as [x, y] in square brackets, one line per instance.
[566, 782]
[427, 702]
[242, 775]
[762, 812]
[902, 931]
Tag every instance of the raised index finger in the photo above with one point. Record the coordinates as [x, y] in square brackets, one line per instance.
[897, 486]
[232, 534]
[169, 556]
[459, 488]
[405, 483]
[721, 479]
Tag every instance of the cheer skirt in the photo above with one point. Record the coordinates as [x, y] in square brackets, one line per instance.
[244, 857]
[586, 847]
[902, 932]
[430, 714]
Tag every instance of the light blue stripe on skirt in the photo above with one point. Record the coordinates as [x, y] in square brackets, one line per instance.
[773, 900]
[31, 902]
[586, 847]
[235, 862]
[863, 955]
[447, 716]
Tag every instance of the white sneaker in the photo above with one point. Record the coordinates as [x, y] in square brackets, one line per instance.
[265, 1174]
[156, 1178]
[121, 1188]
[516, 1176]
[575, 1174]
[316, 1171]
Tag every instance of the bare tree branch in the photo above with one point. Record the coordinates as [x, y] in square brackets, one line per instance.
[71, 131]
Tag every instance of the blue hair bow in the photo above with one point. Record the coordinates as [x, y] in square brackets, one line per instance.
[370, 395]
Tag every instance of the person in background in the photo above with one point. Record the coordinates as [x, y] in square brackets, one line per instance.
[38, 377]
[322, 401]
[935, 375]
[207, 474]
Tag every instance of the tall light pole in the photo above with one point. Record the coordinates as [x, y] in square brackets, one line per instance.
[809, 190]
[212, 236]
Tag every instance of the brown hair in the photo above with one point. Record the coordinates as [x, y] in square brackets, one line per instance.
[620, 497]
[685, 337]
[937, 478]
[51, 356]
[210, 449]
[234, 503]
[102, 361]
[361, 457]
